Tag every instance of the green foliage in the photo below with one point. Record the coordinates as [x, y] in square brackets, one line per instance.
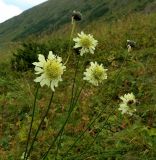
[24, 57]
[51, 16]
[28, 53]
[98, 12]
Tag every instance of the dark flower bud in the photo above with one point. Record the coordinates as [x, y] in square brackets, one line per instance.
[131, 43]
[77, 16]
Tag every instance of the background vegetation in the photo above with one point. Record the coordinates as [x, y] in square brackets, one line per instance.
[51, 16]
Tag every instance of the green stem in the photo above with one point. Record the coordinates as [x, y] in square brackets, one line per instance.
[99, 115]
[32, 120]
[71, 36]
[61, 130]
[48, 108]
[127, 121]
[74, 81]
[102, 128]
[94, 139]
[71, 101]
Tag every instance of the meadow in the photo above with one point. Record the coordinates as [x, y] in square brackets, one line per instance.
[96, 129]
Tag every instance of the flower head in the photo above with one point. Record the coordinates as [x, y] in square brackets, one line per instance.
[126, 106]
[51, 70]
[95, 74]
[76, 15]
[86, 43]
[130, 45]
[125, 109]
[128, 98]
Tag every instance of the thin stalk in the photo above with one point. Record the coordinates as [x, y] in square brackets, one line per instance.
[94, 139]
[85, 152]
[74, 81]
[71, 101]
[80, 136]
[43, 118]
[127, 120]
[32, 120]
[61, 130]
[71, 36]
[99, 115]
[101, 129]
[69, 53]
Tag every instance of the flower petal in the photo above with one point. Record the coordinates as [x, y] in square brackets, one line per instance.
[41, 58]
[51, 55]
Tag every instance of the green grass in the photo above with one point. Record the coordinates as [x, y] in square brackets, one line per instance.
[118, 139]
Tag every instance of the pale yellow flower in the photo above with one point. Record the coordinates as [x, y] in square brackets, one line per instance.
[125, 109]
[86, 43]
[127, 104]
[50, 70]
[128, 98]
[95, 74]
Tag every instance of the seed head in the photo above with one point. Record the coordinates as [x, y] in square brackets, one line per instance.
[77, 16]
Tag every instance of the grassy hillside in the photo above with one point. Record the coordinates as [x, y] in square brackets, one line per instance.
[115, 136]
[50, 15]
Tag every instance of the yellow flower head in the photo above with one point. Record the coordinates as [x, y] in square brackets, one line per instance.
[95, 74]
[86, 43]
[127, 98]
[51, 70]
[126, 105]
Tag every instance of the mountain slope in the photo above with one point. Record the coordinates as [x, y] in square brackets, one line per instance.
[51, 15]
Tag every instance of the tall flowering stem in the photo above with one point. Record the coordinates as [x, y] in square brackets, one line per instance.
[94, 139]
[74, 81]
[62, 129]
[72, 99]
[32, 119]
[70, 40]
[39, 127]
[50, 73]
[105, 122]
[99, 115]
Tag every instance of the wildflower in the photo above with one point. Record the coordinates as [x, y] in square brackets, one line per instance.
[125, 109]
[130, 45]
[86, 43]
[128, 98]
[76, 15]
[126, 106]
[95, 74]
[51, 70]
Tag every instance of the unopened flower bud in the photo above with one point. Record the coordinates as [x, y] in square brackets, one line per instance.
[131, 43]
[76, 15]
